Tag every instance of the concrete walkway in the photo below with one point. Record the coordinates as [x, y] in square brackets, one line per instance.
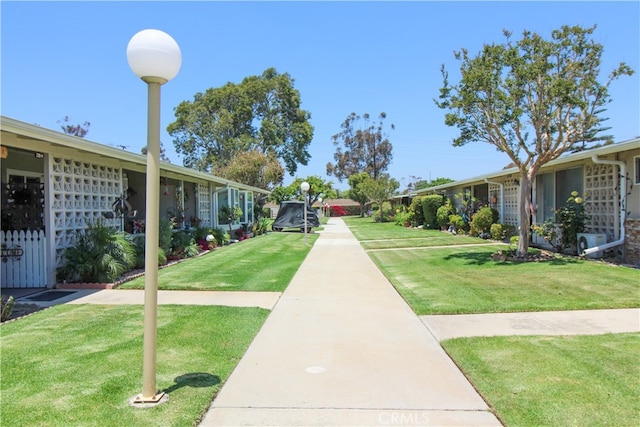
[232, 299]
[342, 348]
[575, 322]
[136, 297]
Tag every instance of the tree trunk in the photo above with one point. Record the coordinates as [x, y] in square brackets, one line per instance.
[525, 210]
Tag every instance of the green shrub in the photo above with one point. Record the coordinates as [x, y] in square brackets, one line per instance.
[165, 234]
[443, 213]
[162, 257]
[430, 205]
[497, 232]
[572, 219]
[201, 233]
[191, 250]
[482, 220]
[416, 207]
[502, 231]
[263, 225]
[222, 236]
[100, 254]
[183, 245]
[457, 222]
[509, 230]
[140, 253]
[403, 217]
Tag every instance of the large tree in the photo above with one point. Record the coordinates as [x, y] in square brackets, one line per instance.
[262, 113]
[533, 99]
[163, 153]
[418, 183]
[79, 130]
[317, 188]
[355, 192]
[379, 190]
[366, 147]
[254, 168]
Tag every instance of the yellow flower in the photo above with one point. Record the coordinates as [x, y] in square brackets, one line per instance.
[574, 193]
[579, 200]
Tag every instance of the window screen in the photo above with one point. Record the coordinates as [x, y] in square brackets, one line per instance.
[223, 202]
[567, 181]
[544, 196]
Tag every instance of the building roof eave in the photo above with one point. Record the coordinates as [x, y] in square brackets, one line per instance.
[582, 155]
[26, 130]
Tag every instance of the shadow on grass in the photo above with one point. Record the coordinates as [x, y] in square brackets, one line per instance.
[482, 258]
[194, 379]
[472, 258]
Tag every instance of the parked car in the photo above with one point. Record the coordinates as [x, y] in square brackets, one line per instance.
[291, 215]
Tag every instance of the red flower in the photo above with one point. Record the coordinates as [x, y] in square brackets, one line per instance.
[338, 210]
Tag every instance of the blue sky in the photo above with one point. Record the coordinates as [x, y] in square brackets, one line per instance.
[69, 59]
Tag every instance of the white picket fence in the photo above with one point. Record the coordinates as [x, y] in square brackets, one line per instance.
[23, 262]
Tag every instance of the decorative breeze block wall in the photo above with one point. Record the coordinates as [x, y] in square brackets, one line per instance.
[511, 188]
[83, 193]
[601, 183]
[204, 204]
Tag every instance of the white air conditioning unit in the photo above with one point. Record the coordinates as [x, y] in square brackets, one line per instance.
[591, 240]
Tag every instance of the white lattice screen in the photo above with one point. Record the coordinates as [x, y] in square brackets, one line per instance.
[600, 186]
[494, 189]
[83, 193]
[204, 204]
[511, 202]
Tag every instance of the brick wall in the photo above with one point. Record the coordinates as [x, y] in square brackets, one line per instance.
[632, 244]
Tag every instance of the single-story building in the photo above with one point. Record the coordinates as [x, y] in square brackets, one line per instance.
[54, 185]
[608, 176]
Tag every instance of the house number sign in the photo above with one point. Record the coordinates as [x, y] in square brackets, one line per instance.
[15, 253]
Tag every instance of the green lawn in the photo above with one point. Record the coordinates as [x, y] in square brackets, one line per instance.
[80, 364]
[466, 280]
[367, 229]
[264, 263]
[388, 235]
[555, 381]
[437, 277]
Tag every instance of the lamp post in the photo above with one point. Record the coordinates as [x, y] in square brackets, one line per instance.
[320, 201]
[154, 57]
[305, 190]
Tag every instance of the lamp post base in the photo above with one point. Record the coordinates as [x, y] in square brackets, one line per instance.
[147, 402]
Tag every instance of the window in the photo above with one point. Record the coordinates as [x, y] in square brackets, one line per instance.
[568, 181]
[554, 188]
[228, 197]
[234, 194]
[243, 206]
[223, 202]
[22, 201]
[246, 204]
[481, 193]
[249, 206]
[24, 177]
[544, 196]
[636, 162]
